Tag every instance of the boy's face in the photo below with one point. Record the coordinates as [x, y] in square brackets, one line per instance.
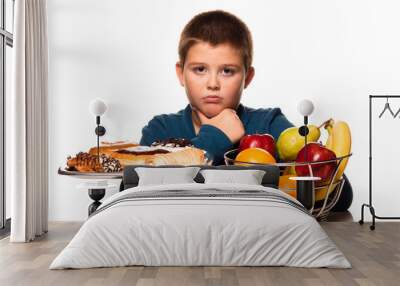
[214, 77]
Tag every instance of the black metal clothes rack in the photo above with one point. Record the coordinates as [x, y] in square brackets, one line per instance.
[370, 205]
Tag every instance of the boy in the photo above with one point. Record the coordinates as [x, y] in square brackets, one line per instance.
[215, 57]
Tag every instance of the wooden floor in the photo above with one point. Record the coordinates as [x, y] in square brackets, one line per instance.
[374, 255]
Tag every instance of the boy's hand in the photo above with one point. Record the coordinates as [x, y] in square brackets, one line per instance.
[227, 121]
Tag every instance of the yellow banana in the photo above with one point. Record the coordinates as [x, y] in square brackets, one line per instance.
[341, 144]
[328, 125]
[339, 141]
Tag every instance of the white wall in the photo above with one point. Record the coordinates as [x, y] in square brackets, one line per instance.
[333, 52]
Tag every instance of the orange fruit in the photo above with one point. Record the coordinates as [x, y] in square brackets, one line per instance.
[288, 186]
[255, 155]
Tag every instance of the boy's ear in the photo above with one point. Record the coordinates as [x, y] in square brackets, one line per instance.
[249, 76]
[179, 73]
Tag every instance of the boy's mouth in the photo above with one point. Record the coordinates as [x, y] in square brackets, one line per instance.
[212, 99]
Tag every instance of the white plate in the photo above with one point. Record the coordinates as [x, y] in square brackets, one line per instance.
[80, 175]
[91, 185]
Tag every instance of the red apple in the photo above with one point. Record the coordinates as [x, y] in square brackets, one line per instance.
[263, 141]
[316, 152]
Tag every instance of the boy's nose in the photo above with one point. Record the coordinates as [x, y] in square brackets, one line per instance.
[213, 83]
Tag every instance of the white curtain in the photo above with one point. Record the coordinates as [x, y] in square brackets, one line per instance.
[29, 140]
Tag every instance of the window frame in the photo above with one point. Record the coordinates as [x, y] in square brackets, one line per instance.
[6, 39]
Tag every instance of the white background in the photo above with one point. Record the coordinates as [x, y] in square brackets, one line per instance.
[335, 53]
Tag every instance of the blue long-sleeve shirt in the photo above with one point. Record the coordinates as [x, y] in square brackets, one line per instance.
[210, 138]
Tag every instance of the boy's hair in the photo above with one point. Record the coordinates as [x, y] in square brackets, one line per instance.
[217, 27]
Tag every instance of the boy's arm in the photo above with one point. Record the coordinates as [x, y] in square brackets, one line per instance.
[213, 141]
[216, 142]
[154, 130]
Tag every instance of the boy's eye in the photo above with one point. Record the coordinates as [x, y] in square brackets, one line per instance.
[199, 69]
[228, 71]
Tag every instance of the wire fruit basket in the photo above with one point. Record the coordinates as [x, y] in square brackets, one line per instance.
[329, 189]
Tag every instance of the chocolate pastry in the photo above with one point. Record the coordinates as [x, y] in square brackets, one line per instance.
[84, 162]
[87, 163]
[173, 142]
[178, 151]
[108, 147]
[186, 156]
[110, 164]
[159, 155]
